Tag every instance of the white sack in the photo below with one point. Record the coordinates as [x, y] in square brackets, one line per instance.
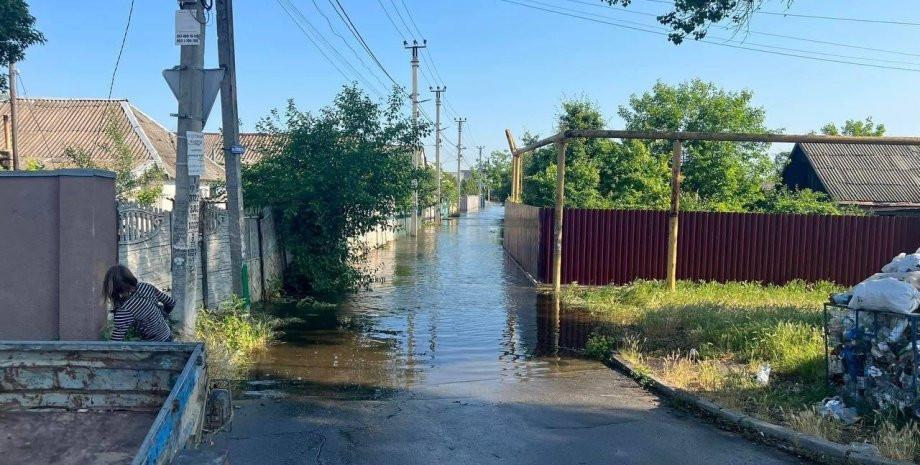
[903, 263]
[887, 294]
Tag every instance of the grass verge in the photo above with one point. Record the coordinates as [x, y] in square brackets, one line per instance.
[233, 335]
[714, 339]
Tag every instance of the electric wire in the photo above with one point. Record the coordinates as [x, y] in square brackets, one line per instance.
[401, 20]
[729, 28]
[316, 36]
[353, 51]
[721, 44]
[398, 31]
[121, 49]
[831, 18]
[38, 125]
[354, 30]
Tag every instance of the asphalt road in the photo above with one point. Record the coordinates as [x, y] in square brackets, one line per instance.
[452, 358]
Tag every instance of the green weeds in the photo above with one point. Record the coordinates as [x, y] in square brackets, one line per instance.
[233, 335]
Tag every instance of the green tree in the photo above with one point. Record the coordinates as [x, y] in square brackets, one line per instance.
[336, 175]
[727, 175]
[694, 17]
[853, 127]
[497, 174]
[17, 33]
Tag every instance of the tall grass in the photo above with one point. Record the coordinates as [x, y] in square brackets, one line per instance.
[233, 335]
[732, 329]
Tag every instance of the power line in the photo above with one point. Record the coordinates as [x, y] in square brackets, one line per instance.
[398, 31]
[831, 18]
[121, 49]
[725, 39]
[411, 19]
[38, 125]
[310, 38]
[354, 30]
[401, 20]
[355, 53]
[293, 8]
[768, 34]
[721, 44]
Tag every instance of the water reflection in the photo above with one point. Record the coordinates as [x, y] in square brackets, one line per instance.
[448, 306]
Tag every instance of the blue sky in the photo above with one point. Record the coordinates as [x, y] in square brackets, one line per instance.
[505, 65]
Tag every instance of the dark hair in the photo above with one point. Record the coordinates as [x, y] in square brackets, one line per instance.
[118, 285]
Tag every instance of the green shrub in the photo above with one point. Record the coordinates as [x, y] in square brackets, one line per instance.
[599, 346]
[233, 335]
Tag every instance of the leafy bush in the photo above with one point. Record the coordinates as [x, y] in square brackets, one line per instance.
[232, 336]
[599, 346]
[333, 176]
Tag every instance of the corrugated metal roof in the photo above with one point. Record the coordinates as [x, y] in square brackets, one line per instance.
[859, 173]
[48, 127]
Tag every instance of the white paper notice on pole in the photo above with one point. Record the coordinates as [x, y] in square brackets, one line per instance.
[195, 143]
[188, 29]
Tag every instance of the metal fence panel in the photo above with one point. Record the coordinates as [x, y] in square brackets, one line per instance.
[618, 246]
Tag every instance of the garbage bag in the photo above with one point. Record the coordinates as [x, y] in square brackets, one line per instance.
[903, 263]
[887, 294]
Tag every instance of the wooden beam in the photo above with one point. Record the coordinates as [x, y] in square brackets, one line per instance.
[673, 216]
[560, 206]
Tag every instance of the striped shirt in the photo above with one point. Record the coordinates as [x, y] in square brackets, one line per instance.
[142, 312]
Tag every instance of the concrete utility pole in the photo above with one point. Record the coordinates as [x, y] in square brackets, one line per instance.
[437, 140]
[481, 200]
[190, 119]
[415, 153]
[14, 123]
[231, 129]
[459, 122]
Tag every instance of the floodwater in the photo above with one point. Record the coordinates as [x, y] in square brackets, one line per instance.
[453, 357]
[447, 307]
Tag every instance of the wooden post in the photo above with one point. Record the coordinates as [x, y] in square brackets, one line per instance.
[560, 204]
[519, 183]
[14, 122]
[514, 165]
[231, 131]
[672, 217]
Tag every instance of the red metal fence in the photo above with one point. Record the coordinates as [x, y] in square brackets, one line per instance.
[617, 246]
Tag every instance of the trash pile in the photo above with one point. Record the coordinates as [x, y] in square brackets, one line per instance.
[872, 340]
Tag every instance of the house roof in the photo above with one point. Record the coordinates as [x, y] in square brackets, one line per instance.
[48, 127]
[862, 174]
[257, 145]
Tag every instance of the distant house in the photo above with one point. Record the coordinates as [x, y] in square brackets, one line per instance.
[256, 144]
[881, 178]
[48, 127]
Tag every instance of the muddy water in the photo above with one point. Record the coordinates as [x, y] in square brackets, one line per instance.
[447, 307]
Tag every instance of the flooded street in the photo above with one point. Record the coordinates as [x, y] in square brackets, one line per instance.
[452, 357]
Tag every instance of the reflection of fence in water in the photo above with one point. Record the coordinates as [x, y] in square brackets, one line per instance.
[561, 329]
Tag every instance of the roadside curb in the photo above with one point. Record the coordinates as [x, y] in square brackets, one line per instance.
[811, 446]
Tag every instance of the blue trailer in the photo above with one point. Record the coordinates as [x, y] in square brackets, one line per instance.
[101, 402]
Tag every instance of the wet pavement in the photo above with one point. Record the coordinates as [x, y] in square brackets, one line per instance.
[452, 357]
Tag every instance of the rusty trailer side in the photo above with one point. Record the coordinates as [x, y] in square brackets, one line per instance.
[100, 402]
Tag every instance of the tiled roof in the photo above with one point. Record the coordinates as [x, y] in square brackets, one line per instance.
[867, 174]
[47, 127]
[257, 145]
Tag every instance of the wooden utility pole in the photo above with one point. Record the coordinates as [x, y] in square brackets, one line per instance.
[437, 141]
[672, 216]
[560, 206]
[231, 133]
[190, 119]
[416, 152]
[459, 122]
[14, 122]
[514, 166]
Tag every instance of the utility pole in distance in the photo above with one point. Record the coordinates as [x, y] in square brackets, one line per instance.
[415, 153]
[459, 122]
[190, 119]
[437, 140]
[232, 150]
[14, 122]
[481, 201]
